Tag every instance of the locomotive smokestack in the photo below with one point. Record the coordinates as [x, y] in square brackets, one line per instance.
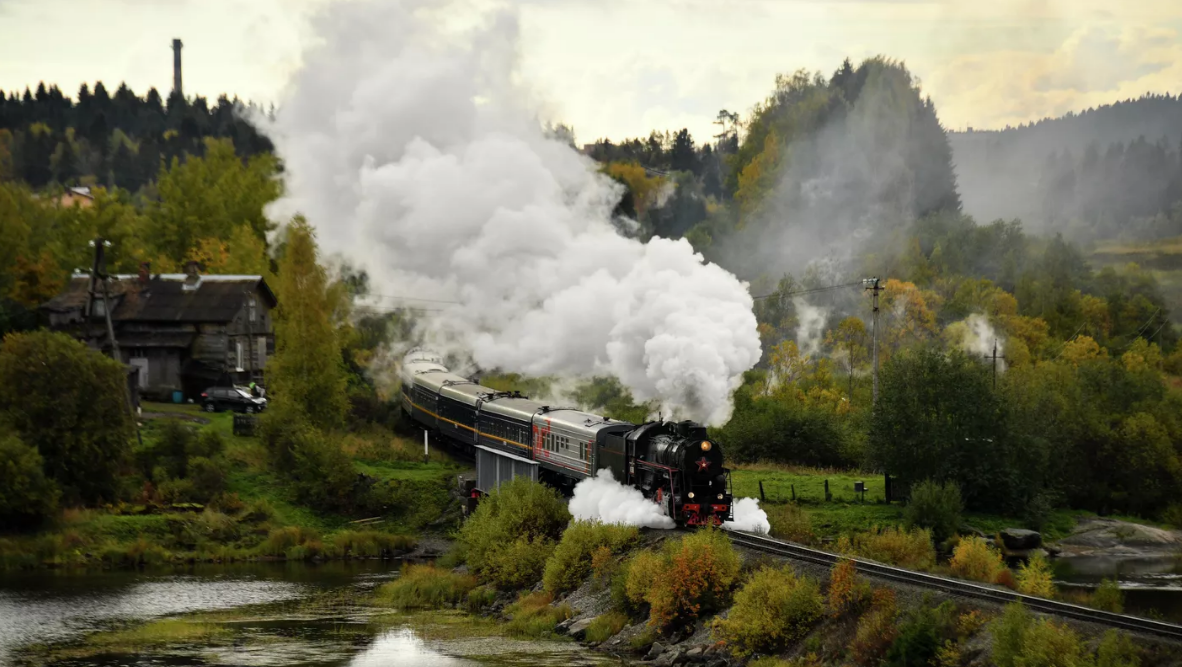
[176, 67]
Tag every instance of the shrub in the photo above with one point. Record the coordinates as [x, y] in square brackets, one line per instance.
[369, 544]
[1022, 641]
[772, 610]
[910, 549]
[640, 577]
[973, 559]
[208, 478]
[688, 577]
[512, 532]
[920, 636]
[26, 496]
[606, 626]
[66, 401]
[571, 561]
[177, 491]
[1109, 597]
[845, 589]
[603, 566]
[1034, 577]
[479, 598]
[936, 507]
[790, 522]
[282, 540]
[876, 629]
[1006, 578]
[426, 587]
[208, 443]
[1117, 650]
[532, 616]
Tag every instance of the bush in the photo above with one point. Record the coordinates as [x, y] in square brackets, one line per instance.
[532, 616]
[169, 452]
[67, 402]
[1022, 641]
[282, 541]
[909, 549]
[772, 610]
[368, 544]
[689, 577]
[208, 478]
[606, 626]
[208, 443]
[973, 559]
[1117, 650]
[638, 579]
[1034, 577]
[479, 598]
[26, 496]
[1109, 597]
[845, 589]
[920, 636]
[512, 533]
[426, 587]
[876, 629]
[936, 507]
[790, 522]
[571, 561]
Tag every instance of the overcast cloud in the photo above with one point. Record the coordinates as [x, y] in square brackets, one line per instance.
[618, 68]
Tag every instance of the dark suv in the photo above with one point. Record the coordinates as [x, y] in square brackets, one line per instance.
[216, 399]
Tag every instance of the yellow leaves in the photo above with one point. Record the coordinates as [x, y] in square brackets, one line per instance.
[787, 363]
[907, 314]
[36, 280]
[1095, 314]
[1141, 355]
[645, 189]
[758, 176]
[1082, 349]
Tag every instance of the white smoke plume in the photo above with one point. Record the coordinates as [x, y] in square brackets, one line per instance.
[748, 517]
[810, 327]
[602, 498]
[408, 146]
[976, 336]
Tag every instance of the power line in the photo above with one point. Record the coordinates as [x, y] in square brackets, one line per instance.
[807, 291]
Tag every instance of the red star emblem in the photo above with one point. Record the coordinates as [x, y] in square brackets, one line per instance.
[703, 464]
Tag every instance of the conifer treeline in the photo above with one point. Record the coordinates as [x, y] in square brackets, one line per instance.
[113, 140]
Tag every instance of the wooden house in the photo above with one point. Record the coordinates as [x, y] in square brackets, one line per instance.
[182, 331]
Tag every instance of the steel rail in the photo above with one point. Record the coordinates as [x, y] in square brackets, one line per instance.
[958, 587]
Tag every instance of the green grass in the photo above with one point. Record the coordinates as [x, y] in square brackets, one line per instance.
[156, 633]
[778, 481]
[406, 470]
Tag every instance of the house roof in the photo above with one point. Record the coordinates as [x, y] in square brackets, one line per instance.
[167, 297]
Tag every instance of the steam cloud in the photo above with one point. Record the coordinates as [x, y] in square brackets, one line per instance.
[407, 146]
[976, 336]
[810, 327]
[602, 498]
[748, 517]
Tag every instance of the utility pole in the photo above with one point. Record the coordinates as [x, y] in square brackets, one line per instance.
[873, 285]
[100, 273]
[994, 357]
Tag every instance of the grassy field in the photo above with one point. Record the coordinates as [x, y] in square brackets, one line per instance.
[846, 513]
[1161, 258]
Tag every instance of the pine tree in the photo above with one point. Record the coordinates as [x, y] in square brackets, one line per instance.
[306, 375]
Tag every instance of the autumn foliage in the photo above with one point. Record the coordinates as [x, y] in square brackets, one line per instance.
[685, 579]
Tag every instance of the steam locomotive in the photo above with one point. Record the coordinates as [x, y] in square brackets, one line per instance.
[673, 464]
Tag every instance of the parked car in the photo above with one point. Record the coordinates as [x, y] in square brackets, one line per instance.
[216, 399]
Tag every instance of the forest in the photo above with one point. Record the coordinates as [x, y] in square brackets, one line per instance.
[829, 180]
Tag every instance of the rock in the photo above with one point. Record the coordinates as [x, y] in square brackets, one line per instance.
[579, 628]
[564, 627]
[669, 658]
[1106, 533]
[1052, 550]
[655, 651]
[718, 663]
[1020, 539]
[696, 654]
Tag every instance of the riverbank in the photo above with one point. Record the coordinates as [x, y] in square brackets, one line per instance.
[255, 514]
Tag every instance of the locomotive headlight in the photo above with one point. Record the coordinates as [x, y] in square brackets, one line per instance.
[705, 445]
[720, 496]
[691, 495]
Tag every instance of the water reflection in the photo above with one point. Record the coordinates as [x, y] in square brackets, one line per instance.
[402, 647]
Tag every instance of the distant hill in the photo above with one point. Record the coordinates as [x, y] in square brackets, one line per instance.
[1094, 174]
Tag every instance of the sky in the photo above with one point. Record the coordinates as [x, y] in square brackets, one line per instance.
[618, 68]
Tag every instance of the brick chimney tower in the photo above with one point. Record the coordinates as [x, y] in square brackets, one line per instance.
[176, 67]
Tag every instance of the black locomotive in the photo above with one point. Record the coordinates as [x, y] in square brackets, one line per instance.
[675, 464]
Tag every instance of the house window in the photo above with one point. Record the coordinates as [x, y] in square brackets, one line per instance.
[98, 308]
[261, 352]
[238, 347]
[252, 313]
[138, 353]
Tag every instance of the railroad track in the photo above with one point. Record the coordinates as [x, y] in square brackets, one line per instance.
[961, 588]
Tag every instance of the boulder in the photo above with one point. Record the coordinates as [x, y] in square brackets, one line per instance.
[696, 654]
[669, 658]
[1020, 539]
[655, 651]
[579, 628]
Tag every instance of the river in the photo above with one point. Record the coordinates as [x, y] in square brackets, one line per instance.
[275, 613]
